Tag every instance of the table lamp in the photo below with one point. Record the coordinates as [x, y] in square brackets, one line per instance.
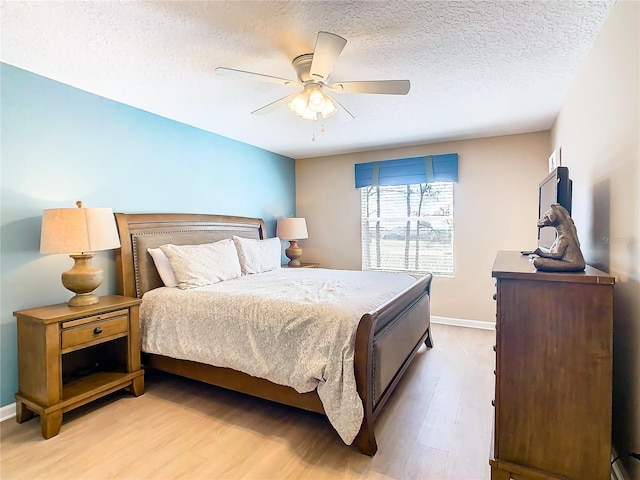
[292, 229]
[79, 232]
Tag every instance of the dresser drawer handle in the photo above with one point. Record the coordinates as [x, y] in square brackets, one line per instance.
[97, 330]
[494, 348]
[493, 403]
[495, 296]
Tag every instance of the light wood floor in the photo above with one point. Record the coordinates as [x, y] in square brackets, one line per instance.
[436, 426]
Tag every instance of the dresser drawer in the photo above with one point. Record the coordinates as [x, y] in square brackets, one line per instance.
[93, 330]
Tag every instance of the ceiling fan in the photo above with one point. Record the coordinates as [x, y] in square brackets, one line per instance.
[313, 70]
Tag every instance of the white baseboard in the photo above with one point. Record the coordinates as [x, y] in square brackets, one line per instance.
[463, 322]
[7, 412]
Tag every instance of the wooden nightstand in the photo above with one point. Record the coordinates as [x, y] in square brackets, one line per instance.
[303, 265]
[69, 356]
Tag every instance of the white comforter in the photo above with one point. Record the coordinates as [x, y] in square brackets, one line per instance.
[294, 327]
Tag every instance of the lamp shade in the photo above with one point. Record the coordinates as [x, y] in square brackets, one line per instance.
[78, 230]
[292, 228]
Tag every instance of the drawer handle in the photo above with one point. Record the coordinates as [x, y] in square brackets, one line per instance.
[493, 403]
[494, 348]
[495, 296]
[97, 330]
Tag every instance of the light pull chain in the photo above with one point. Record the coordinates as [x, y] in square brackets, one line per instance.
[313, 135]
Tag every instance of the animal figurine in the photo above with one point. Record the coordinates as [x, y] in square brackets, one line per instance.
[565, 254]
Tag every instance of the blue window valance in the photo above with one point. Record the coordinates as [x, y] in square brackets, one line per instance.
[406, 171]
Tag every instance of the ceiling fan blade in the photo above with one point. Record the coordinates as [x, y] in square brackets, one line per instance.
[328, 48]
[342, 115]
[273, 105]
[232, 72]
[385, 87]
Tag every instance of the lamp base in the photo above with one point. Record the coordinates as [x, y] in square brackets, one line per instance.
[82, 280]
[293, 252]
[83, 299]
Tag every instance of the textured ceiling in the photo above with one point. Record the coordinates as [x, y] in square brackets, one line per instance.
[476, 68]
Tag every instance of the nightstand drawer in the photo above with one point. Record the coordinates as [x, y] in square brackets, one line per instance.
[94, 329]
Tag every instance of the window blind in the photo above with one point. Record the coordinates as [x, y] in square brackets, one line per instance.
[408, 228]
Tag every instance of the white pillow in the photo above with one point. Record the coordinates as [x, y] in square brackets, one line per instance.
[206, 264]
[257, 256]
[164, 268]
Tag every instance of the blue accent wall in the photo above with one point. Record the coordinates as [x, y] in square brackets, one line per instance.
[60, 144]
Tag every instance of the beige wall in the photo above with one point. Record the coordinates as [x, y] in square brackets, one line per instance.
[598, 129]
[495, 208]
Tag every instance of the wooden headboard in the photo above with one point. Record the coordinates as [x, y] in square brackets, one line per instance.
[136, 272]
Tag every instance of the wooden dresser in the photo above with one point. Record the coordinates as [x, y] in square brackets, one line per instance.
[554, 350]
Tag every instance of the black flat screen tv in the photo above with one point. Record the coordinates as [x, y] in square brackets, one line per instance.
[555, 188]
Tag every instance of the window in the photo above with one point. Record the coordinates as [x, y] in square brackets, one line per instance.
[407, 213]
[408, 228]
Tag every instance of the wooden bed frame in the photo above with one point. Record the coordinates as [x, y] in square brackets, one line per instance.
[387, 338]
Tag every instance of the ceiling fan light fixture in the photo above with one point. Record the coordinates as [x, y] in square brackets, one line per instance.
[311, 103]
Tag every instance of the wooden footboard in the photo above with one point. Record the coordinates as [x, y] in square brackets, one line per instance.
[386, 341]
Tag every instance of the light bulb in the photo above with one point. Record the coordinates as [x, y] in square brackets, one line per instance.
[316, 97]
[316, 100]
[298, 104]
